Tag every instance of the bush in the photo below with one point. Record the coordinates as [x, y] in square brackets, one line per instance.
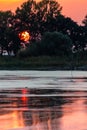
[55, 43]
[51, 44]
[32, 50]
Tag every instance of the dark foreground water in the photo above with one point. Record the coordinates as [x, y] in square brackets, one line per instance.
[47, 100]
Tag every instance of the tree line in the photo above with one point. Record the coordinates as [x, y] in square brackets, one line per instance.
[51, 32]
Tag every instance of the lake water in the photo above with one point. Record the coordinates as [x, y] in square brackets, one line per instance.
[43, 100]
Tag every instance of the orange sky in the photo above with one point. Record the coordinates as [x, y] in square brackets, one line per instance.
[76, 9]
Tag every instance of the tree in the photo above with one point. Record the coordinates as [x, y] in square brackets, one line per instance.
[85, 21]
[5, 18]
[76, 33]
[35, 17]
[47, 11]
[25, 18]
[83, 34]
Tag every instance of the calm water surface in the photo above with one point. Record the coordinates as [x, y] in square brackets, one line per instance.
[43, 100]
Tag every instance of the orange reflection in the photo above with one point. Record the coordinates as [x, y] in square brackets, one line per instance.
[67, 116]
[74, 116]
[11, 120]
[24, 97]
[80, 80]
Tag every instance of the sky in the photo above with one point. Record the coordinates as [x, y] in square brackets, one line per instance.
[76, 9]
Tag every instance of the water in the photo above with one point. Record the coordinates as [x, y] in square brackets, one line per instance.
[43, 100]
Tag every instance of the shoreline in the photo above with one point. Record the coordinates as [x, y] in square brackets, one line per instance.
[45, 68]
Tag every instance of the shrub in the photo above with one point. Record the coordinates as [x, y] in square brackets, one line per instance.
[55, 43]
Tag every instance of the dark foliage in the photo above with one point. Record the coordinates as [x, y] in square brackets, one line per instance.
[39, 18]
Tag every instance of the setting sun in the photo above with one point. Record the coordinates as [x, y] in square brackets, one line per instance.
[24, 36]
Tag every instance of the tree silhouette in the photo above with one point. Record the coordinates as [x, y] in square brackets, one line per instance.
[34, 16]
[5, 19]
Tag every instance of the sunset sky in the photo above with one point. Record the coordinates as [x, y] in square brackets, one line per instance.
[76, 9]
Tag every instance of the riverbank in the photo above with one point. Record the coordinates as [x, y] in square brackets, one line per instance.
[41, 63]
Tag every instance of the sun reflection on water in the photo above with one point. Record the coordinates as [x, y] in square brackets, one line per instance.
[25, 112]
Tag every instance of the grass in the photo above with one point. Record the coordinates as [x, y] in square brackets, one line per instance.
[43, 63]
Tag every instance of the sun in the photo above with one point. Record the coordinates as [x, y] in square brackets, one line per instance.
[24, 36]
